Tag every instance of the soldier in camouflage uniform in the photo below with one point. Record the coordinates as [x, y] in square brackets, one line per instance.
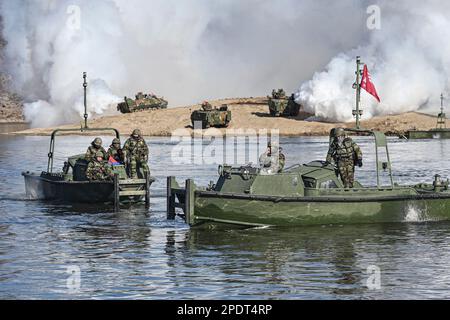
[115, 151]
[272, 161]
[96, 146]
[98, 169]
[345, 153]
[136, 154]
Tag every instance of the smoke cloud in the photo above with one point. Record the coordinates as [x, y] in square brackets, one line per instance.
[188, 51]
[408, 58]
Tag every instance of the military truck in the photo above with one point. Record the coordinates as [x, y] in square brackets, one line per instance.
[211, 117]
[142, 102]
[281, 105]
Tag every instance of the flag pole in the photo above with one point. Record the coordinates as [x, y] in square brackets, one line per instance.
[357, 85]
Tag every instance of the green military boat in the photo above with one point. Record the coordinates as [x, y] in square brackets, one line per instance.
[71, 184]
[440, 132]
[308, 194]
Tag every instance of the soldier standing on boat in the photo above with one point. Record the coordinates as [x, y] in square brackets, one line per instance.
[96, 146]
[272, 161]
[345, 153]
[136, 154]
[115, 151]
[98, 169]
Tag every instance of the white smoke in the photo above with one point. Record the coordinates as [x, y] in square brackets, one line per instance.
[186, 51]
[408, 58]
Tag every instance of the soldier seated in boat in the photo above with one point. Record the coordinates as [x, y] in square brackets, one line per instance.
[98, 169]
[272, 161]
[115, 152]
[94, 148]
[345, 154]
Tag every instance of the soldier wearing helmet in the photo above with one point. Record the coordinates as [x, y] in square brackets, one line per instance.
[136, 154]
[272, 161]
[98, 169]
[96, 146]
[115, 151]
[345, 153]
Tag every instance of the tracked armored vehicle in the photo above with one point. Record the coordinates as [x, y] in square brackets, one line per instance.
[209, 116]
[71, 184]
[281, 105]
[142, 102]
[308, 194]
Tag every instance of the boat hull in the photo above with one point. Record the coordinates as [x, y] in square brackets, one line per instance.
[429, 134]
[41, 188]
[270, 211]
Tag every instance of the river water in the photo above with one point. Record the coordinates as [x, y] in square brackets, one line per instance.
[60, 251]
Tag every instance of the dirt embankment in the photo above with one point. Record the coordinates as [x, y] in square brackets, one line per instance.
[247, 114]
[11, 108]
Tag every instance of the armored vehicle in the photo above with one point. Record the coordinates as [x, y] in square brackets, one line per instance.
[211, 117]
[71, 184]
[308, 194]
[142, 102]
[281, 105]
[440, 132]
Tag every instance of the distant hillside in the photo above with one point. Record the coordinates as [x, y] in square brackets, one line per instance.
[11, 107]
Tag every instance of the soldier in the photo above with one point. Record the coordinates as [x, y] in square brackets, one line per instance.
[281, 93]
[206, 106]
[272, 161]
[115, 151]
[136, 153]
[345, 153]
[98, 169]
[95, 147]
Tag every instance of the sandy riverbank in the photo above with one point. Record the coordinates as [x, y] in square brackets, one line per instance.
[247, 113]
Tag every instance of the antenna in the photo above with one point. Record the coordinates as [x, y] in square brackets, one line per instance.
[85, 103]
[357, 85]
[441, 123]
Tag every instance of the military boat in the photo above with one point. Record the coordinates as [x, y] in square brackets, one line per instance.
[71, 184]
[307, 194]
[440, 132]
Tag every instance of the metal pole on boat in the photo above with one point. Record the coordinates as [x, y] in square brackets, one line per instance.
[85, 102]
[357, 85]
[170, 199]
[116, 193]
[189, 200]
[147, 190]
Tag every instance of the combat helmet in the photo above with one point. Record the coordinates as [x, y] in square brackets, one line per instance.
[97, 142]
[136, 133]
[115, 141]
[339, 132]
[99, 154]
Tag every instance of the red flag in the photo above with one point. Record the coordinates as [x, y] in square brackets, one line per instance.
[366, 84]
[112, 161]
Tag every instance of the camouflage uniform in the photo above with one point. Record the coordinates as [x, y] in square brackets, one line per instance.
[272, 161]
[115, 151]
[345, 153]
[96, 146]
[136, 152]
[98, 170]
